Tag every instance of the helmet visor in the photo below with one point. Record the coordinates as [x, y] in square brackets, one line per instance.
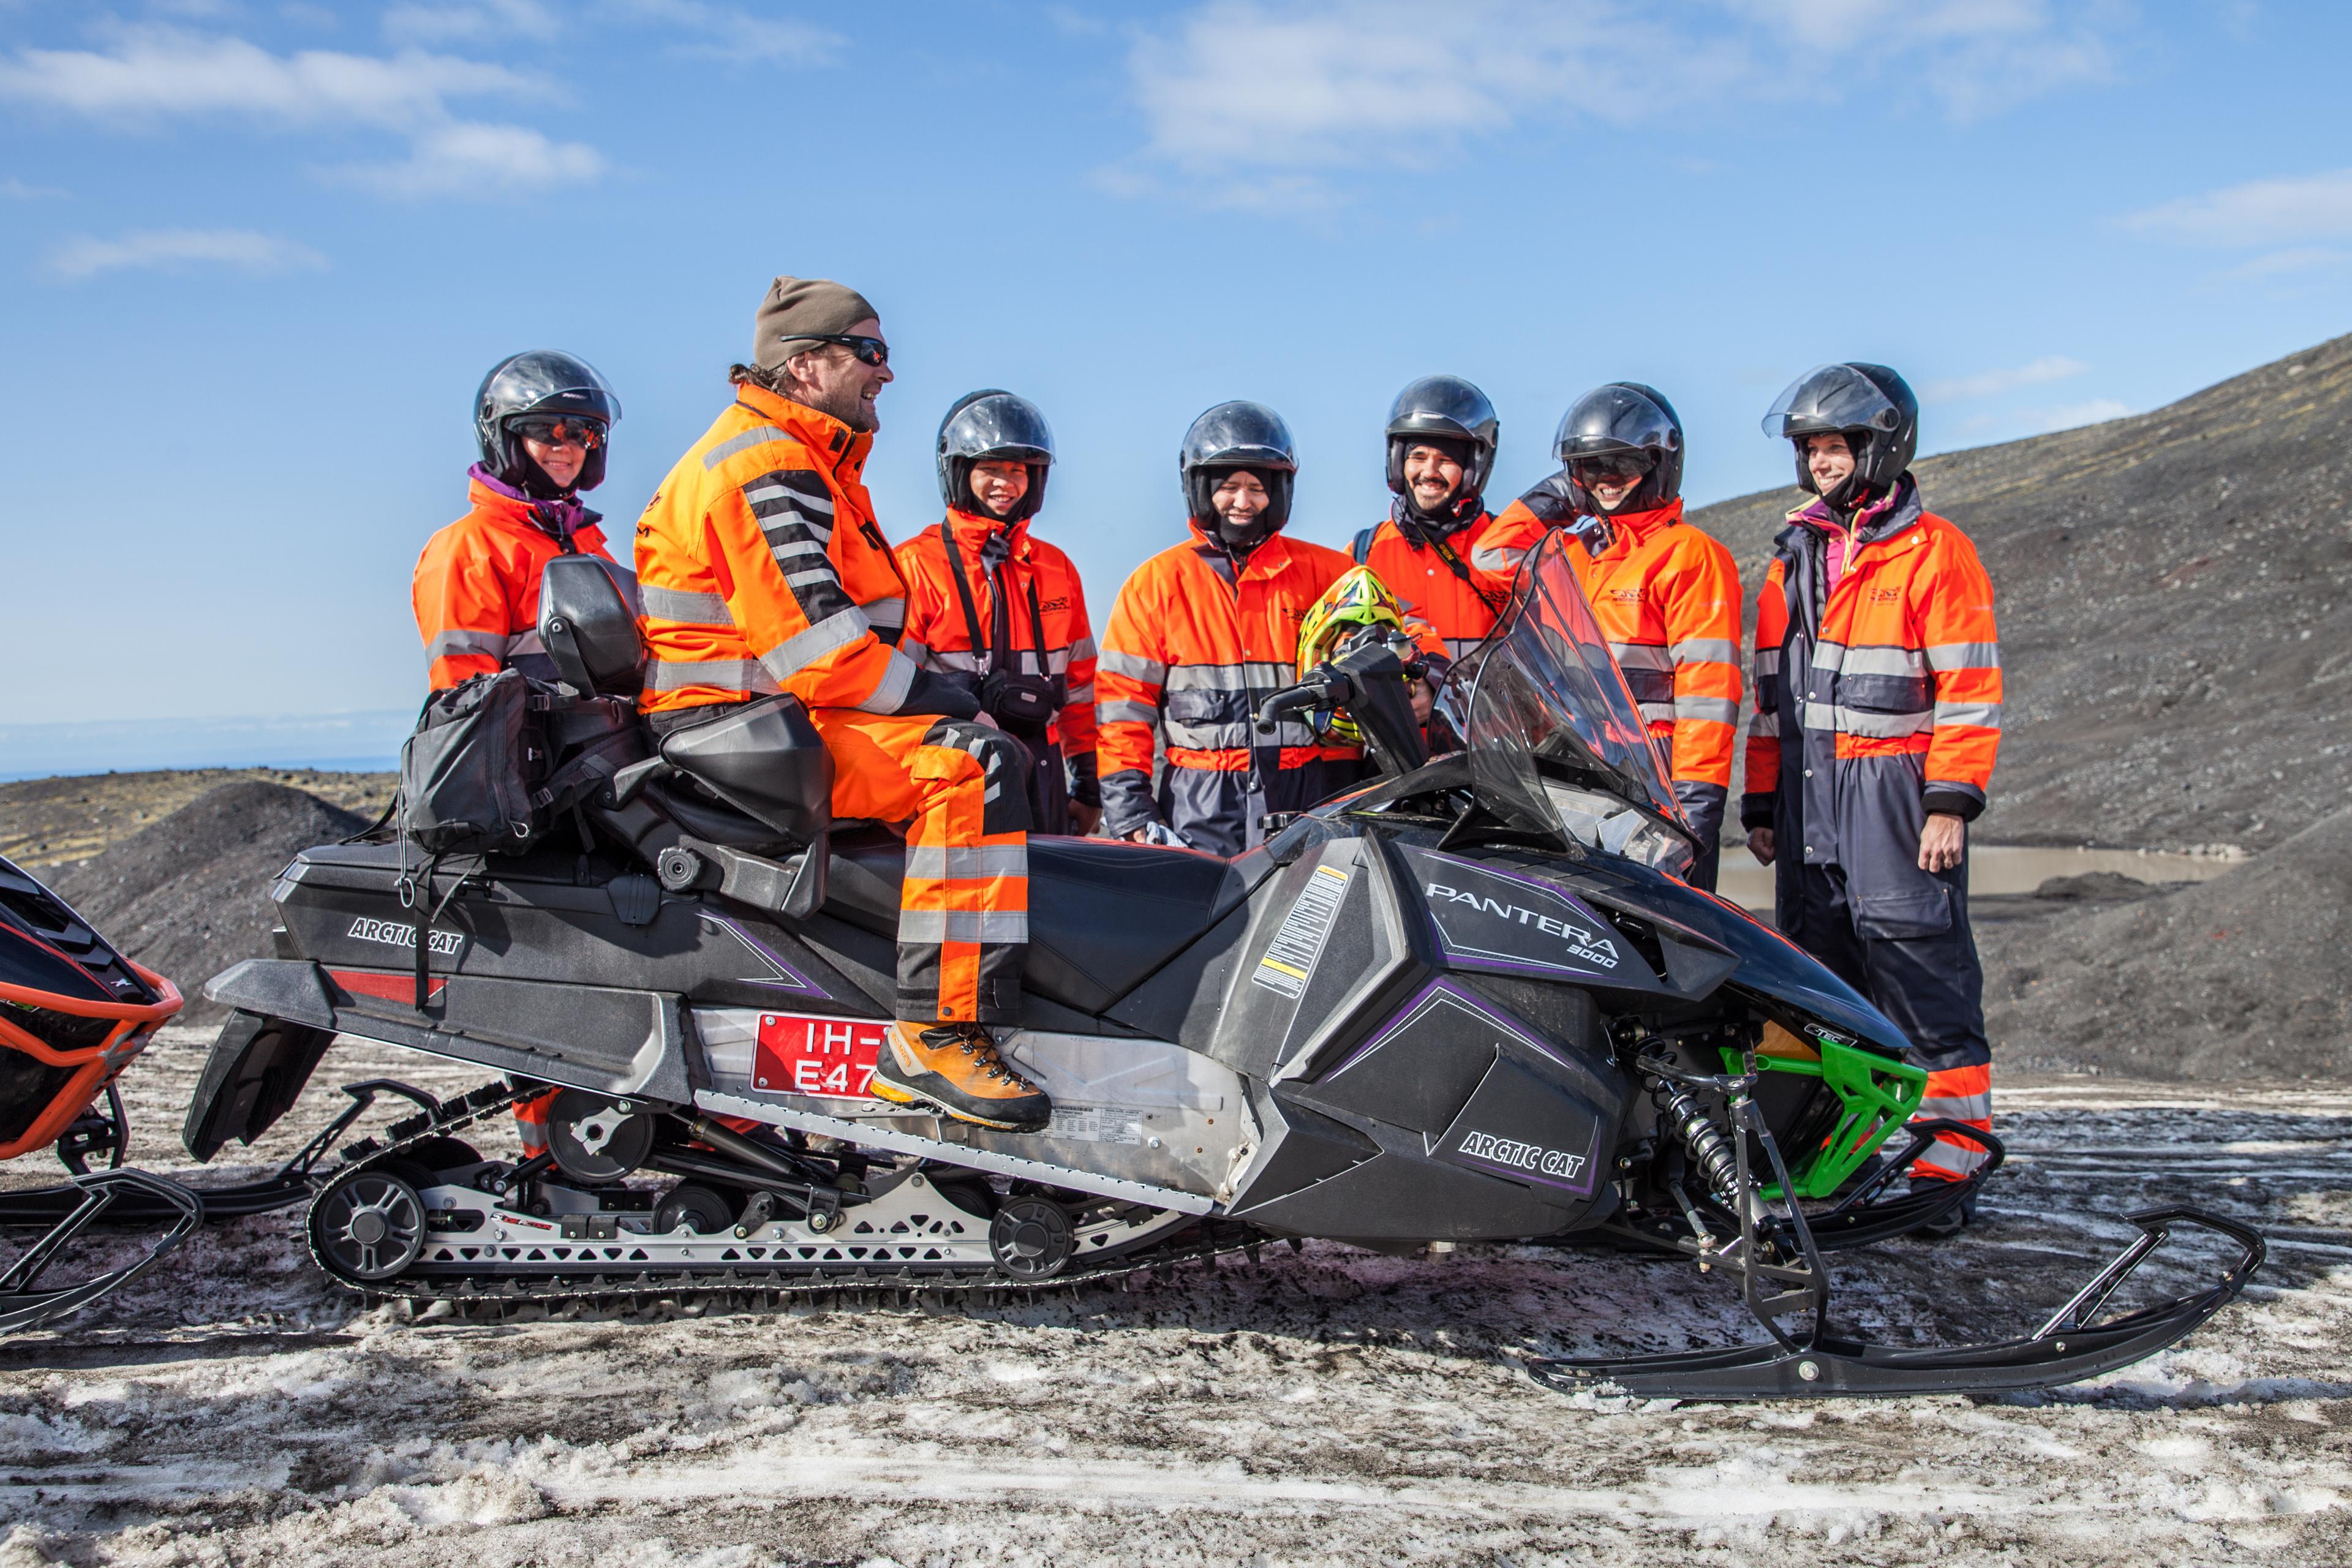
[998, 426]
[1616, 418]
[1239, 436]
[1830, 397]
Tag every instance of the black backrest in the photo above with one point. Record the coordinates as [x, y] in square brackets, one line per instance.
[588, 619]
[765, 759]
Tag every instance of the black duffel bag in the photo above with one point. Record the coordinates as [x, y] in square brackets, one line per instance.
[479, 776]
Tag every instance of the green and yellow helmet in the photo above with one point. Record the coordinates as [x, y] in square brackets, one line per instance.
[1357, 600]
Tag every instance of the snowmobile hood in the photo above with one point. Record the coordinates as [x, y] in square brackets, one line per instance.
[1770, 966]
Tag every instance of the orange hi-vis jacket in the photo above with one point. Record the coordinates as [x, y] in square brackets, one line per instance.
[476, 590]
[762, 569]
[1190, 654]
[1666, 596]
[936, 636]
[1900, 658]
[1426, 585]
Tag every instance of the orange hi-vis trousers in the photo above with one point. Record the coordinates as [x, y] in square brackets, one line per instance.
[960, 790]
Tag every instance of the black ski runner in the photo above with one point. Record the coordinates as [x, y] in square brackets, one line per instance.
[367, 1228]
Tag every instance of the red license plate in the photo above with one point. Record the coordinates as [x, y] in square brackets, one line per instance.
[801, 1053]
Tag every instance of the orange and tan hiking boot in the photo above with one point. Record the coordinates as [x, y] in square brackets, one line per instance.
[954, 1067]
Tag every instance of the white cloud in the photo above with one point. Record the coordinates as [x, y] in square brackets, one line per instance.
[1332, 84]
[1994, 382]
[13, 189]
[472, 159]
[2279, 211]
[494, 20]
[2294, 260]
[176, 249]
[705, 31]
[2023, 422]
[153, 74]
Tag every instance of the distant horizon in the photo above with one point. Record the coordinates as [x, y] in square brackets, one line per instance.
[365, 742]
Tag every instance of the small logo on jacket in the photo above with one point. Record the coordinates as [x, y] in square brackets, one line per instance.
[1521, 1156]
[399, 933]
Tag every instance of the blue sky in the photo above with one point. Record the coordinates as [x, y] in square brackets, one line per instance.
[256, 256]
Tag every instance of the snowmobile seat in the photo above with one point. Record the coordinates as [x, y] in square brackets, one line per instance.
[1104, 914]
[588, 621]
[766, 760]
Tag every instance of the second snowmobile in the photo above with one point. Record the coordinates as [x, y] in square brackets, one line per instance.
[1469, 1002]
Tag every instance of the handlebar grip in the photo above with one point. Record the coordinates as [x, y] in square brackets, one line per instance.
[1298, 699]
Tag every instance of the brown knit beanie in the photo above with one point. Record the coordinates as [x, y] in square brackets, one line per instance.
[797, 307]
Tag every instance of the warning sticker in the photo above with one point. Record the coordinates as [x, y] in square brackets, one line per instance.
[1291, 958]
[1096, 1124]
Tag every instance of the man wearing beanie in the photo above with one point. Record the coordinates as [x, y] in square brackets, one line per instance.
[763, 572]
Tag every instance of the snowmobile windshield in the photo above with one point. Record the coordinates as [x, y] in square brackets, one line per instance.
[1557, 744]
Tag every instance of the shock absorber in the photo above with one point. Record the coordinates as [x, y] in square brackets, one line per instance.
[1710, 1148]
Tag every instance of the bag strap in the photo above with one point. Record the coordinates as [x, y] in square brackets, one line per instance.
[594, 765]
[1036, 624]
[963, 594]
[1455, 563]
[1361, 550]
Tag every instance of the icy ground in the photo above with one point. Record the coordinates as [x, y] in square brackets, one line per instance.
[1335, 1408]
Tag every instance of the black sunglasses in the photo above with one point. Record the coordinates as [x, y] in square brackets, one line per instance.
[560, 432]
[870, 351]
[1615, 466]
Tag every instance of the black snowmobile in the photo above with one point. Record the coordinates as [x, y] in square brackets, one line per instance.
[1468, 1002]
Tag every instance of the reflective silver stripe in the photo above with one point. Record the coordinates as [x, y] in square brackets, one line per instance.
[524, 644]
[1907, 662]
[1496, 558]
[1083, 649]
[1127, 713]
[943, 862]
[1706, 650]
[1057, 662]
[757, 435]
[1958, 1107]
[1083, 693]
[1455, 647]
[1208, 678]
[1827, 655]
[1270, 674]
[889, 612]
[1721, 709]
[686, 604]
[1002, 927]
[1765, 725]
[1964, 656]
[1984, 715]
[450, 644]
[958, 660]
[1959, 1158]
[918, 652]
[793, 549]
[727, 674]
[890, 694]
[1640, 656]
[808, 579]
[812, 512]
[1150, 671]
[1237, 737]
[797, 652]
[1768, 663]
[1657, 712]
[1873, 726]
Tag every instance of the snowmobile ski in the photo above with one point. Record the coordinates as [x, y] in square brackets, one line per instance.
[25, 1303]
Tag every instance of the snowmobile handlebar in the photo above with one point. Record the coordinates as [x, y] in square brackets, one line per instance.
[1300, 699]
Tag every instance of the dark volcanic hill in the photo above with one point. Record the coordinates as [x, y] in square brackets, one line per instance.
[190, 896]
[2175, 596]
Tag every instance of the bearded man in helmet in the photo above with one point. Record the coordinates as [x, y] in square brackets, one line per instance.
[1448, 561]
[542, 421]
[1201, 635]
[1878, 696]
[994, 606]
[763, 571]
[1665, 593]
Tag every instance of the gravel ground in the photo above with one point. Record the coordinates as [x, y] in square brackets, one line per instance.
[1333, 1407]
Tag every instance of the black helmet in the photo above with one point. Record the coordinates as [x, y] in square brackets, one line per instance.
[994, 424]
[1446, 411]
[1869, 404]
[541, 381]
[1621, 419]
[1238, 436]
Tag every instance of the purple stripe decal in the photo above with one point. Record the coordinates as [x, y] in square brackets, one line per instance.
[1442, 989]
[793, 979]
[1519, 1175]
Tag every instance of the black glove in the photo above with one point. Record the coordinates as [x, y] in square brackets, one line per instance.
[945, 695]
